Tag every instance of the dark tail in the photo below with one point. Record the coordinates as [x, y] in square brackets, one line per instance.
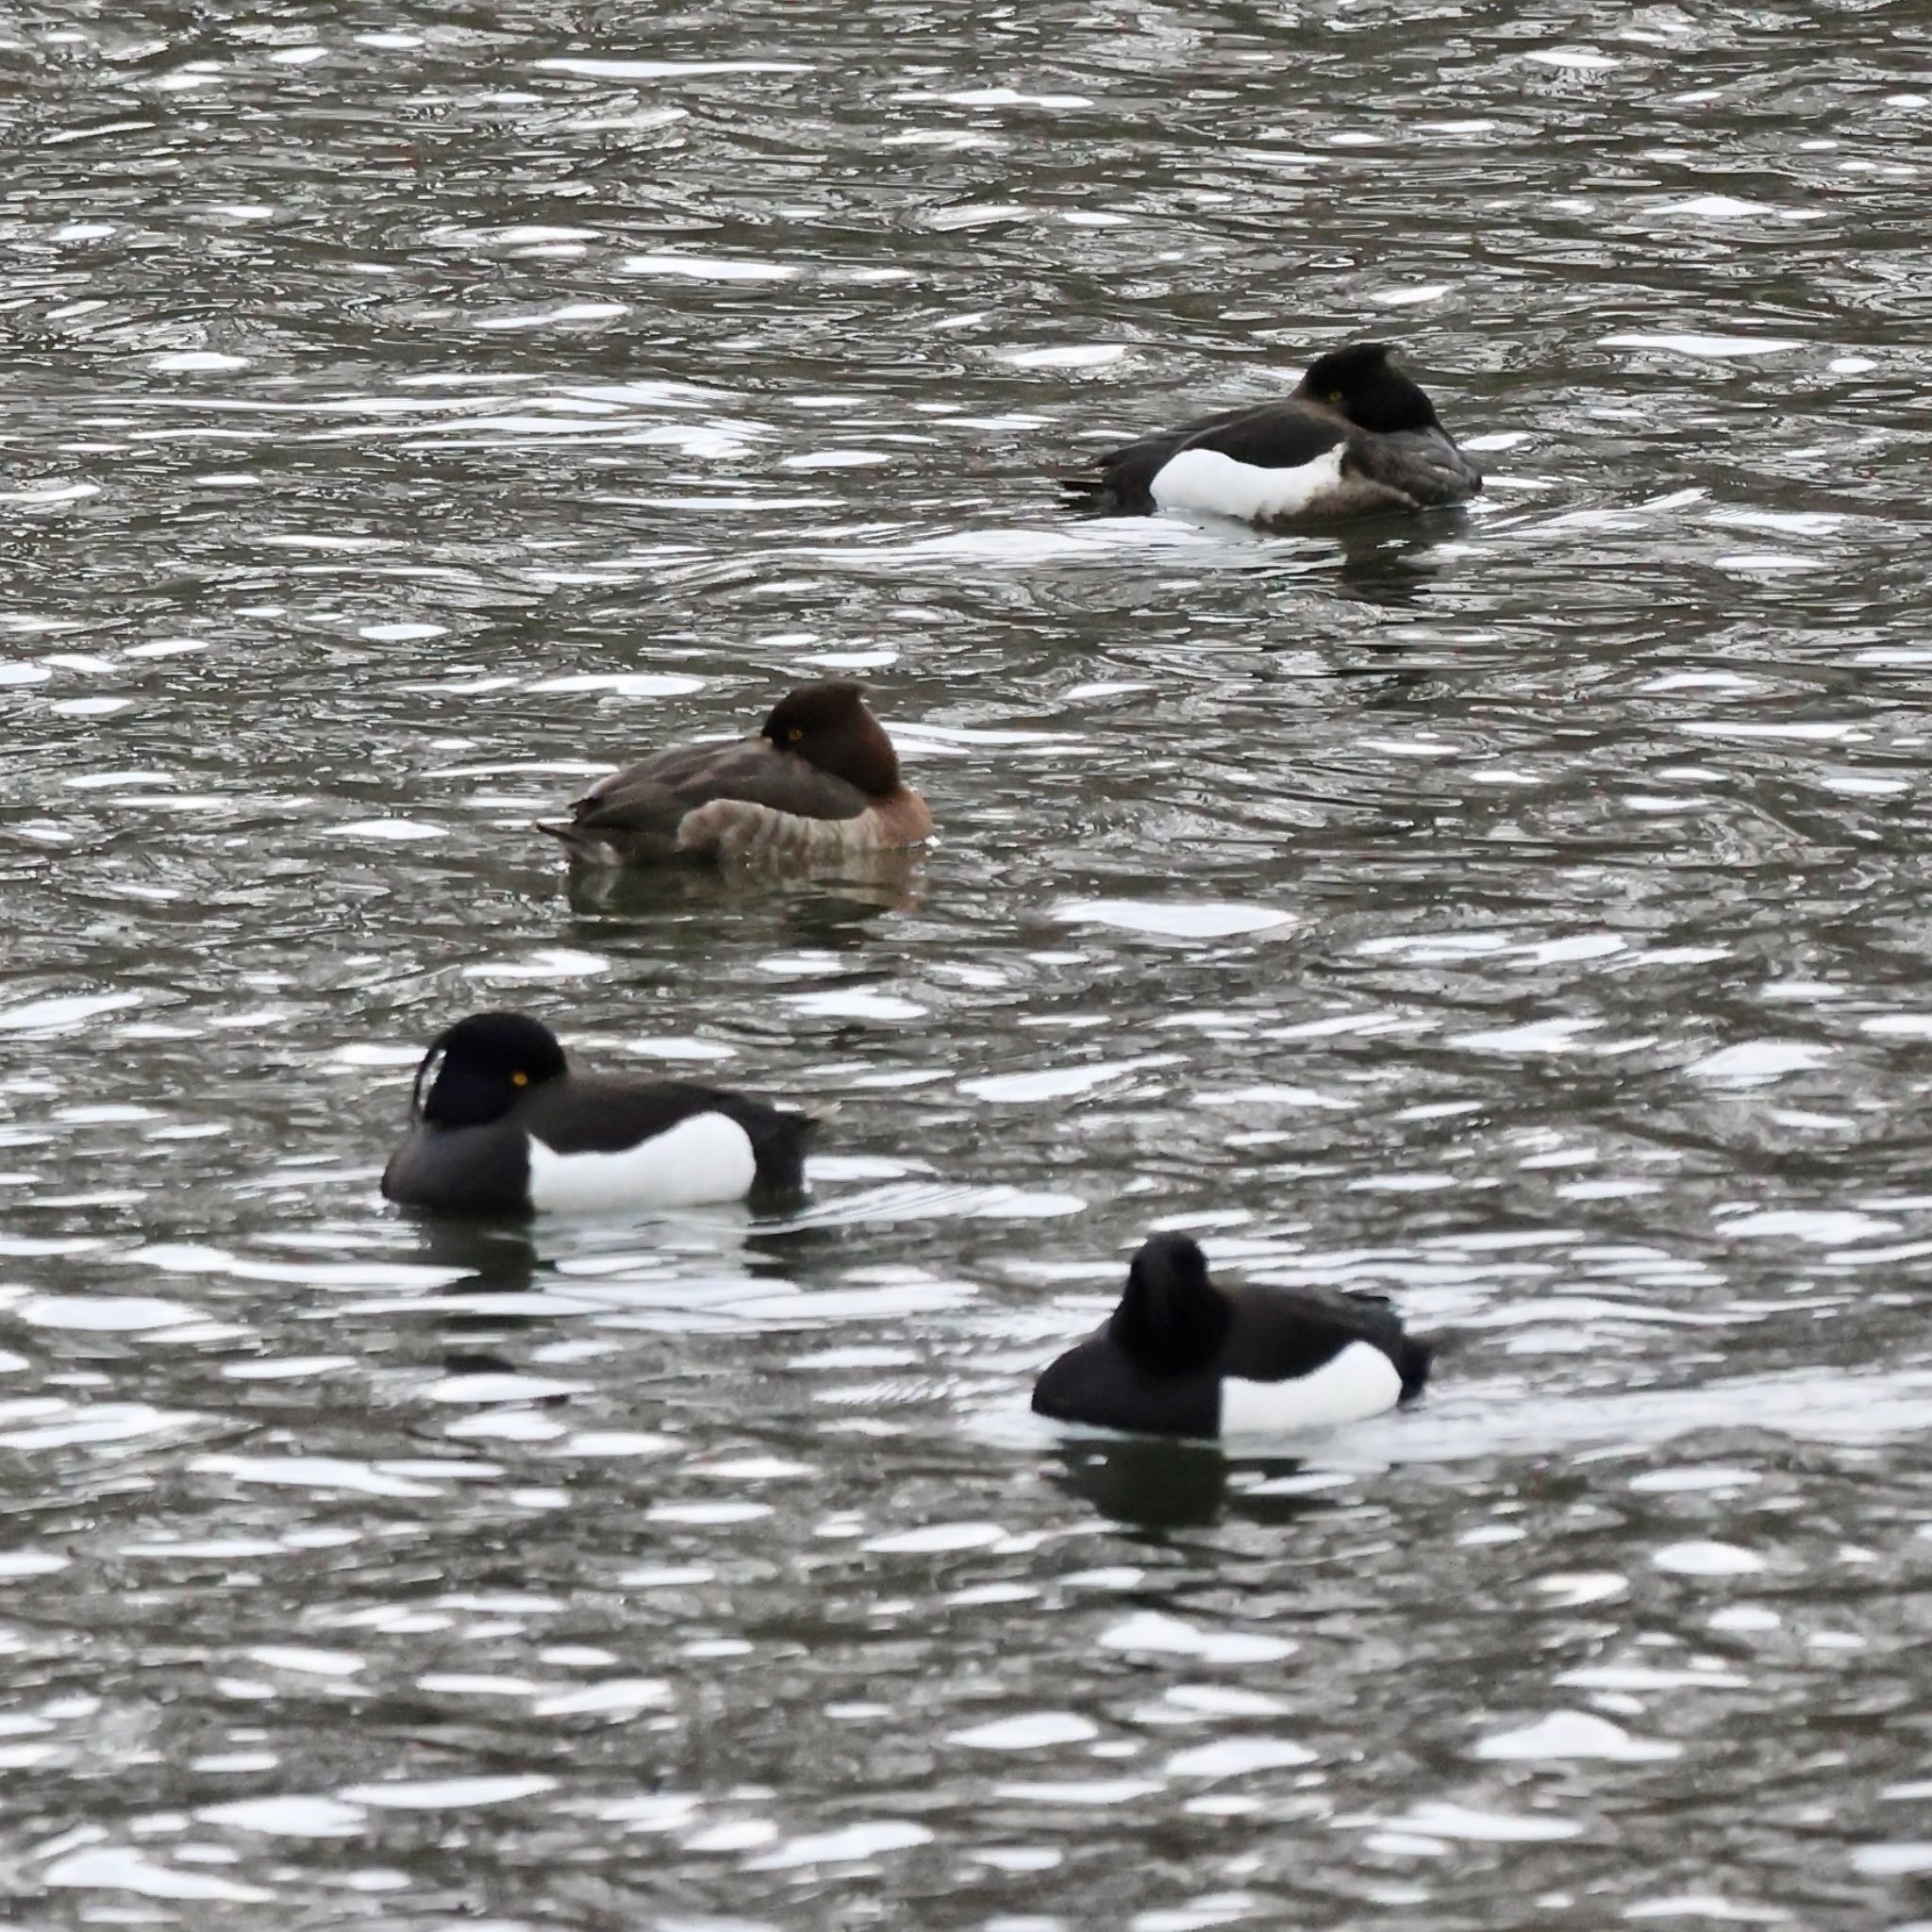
[1093, 495]
[564, 833]
[1120, 482]
[778, 1140]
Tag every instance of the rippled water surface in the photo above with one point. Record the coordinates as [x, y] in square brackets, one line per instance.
[407, 409]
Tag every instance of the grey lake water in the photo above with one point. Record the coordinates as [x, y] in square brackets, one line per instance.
[408, 409]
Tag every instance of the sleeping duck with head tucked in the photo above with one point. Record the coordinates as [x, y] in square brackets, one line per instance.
[818, 783]
[1182, 1356]
[1357, 437]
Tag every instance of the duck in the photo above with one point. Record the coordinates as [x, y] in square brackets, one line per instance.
[818, 782]
[1357, 437]
[500, 1124]
[1181, 1356]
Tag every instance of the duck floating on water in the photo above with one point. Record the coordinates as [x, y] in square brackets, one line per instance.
[1184, 1357]
[819, 783]
[499, 1125]
[1355, 438]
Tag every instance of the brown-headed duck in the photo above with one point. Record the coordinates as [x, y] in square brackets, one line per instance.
[819, 783]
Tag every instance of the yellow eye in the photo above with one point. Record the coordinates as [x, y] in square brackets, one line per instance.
[796, 732]
[1334, 395]
[520, 1080]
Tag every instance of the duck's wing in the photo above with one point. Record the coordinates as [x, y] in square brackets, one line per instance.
[1273, 436]
[1276, 436]
[643, 804]
[592, 1113]
[1280, 1333]
[1424, 465]
[754, 770]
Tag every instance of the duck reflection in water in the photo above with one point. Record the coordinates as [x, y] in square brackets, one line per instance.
[1156, 1485]
[838, 901]
[1390, 568]
[507, 1260]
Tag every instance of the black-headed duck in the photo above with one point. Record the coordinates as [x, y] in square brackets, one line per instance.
[499, 1125]
[1184, 1357]
[1355, 438]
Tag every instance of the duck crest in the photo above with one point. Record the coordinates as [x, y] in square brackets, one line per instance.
[1347, 368]
[828, 726]
[1172, 1320]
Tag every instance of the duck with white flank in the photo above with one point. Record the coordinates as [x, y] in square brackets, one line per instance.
[1355, 438]
[819, 783]
[1181, 1357]
[499, 1125]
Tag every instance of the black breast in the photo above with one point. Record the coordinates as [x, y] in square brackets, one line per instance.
[1098, 1384]
[462, 1170]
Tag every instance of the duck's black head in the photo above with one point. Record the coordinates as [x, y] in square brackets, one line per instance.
[482, 1066]
[1172, 1320]
[828, 726]
[1369, 389]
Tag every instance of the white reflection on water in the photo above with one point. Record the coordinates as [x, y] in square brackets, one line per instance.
[1203, 920]
[1821, 1406]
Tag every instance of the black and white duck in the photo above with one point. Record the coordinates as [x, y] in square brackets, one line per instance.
[1357, 437]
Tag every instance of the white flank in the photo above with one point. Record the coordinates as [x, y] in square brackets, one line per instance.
[1358, 1382]
[1207, 481]
[707, 1157]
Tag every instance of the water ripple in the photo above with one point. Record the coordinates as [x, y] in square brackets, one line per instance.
[1519, 913]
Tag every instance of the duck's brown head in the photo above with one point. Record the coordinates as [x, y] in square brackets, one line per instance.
[828, 726]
